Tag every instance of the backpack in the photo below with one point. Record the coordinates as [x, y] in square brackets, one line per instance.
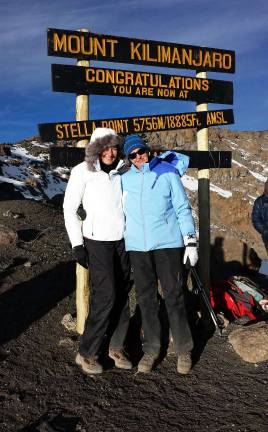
[236, 297]
[246, 285]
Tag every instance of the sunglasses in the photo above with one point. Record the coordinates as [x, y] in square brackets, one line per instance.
[140, 152]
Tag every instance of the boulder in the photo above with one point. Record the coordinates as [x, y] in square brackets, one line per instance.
[66, 342]
[69, 322]
[7, 236]
[251, 342]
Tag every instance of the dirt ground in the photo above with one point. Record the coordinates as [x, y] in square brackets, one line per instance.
[42, 389]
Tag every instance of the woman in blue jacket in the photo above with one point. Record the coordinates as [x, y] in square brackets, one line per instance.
[159, 224]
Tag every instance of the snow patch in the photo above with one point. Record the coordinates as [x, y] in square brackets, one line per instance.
[46, 182]
[192, 184]
[258, 176]
[9, 180]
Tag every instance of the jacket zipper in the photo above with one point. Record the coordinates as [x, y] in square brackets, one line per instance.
[110, 180]
[142, 215]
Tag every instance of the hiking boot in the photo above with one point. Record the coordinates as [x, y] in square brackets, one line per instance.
[184, 363]
[147, 362]
[119, 358]
[89, 365]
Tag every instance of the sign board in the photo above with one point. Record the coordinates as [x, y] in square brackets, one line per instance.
[71, 156]
[115, 82]
[87, 45]
[128, 125]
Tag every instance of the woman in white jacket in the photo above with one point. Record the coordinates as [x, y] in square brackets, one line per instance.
[98, 242]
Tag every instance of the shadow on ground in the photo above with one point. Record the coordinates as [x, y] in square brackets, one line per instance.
[27, 302]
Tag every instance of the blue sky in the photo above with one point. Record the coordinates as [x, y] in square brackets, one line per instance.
[26, 98]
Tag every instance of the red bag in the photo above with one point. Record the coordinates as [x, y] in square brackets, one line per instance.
[228, 298]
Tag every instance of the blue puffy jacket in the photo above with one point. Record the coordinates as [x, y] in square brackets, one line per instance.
[260, 215]
[157, 209]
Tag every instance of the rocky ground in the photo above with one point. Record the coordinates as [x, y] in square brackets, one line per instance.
[42, 389]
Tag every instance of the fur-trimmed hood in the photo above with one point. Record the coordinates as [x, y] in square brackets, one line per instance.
[94, 149]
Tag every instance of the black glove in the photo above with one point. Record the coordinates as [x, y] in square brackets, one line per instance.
[80, 255]
[81, 212]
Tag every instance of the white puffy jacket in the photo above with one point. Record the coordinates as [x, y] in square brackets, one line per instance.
[101, 196]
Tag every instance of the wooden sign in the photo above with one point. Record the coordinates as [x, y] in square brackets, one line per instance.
[71, 156]
[115, 82]
[87, 45]
[128, 125]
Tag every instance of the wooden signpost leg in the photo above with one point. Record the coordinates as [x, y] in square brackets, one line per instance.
[82, 274]
[203, 202]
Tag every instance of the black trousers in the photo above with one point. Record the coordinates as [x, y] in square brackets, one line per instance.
[265, 241]
[165, 265]
[109, 288]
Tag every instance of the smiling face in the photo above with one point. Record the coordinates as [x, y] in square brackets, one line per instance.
[140, 159]
[108, 155]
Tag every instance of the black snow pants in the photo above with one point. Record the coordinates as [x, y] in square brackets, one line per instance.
[165, 265]
[265, 241]
[109, 314]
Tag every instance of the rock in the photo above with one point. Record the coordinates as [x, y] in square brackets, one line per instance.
[5, 262]
[66, 342]
[5, 150]
[251, 342]
[13, 215]
[27, 264]
[4, 353]
[225, 322]
[7, 236]
[69, 322]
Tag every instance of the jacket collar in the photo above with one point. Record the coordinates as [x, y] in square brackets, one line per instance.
[120, 164]
[145, 168]
[175, 159]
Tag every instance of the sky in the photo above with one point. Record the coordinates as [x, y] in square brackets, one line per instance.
[26, 96]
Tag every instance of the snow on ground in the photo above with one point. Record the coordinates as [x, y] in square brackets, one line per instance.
[14, 182]
[238, 163]
[233, 144]
[37, 144]
[214, 227]
[191, 183]
[258, 176]
[23, 154]
[220, 191]
[245, 155]
[21, 167]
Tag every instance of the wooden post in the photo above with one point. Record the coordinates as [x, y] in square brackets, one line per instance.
[82, 274]
[203, 203]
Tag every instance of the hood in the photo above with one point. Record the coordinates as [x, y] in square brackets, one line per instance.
[94, 149]
[176, 160]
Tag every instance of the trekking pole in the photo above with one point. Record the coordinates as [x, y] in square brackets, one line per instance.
[201, 291]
